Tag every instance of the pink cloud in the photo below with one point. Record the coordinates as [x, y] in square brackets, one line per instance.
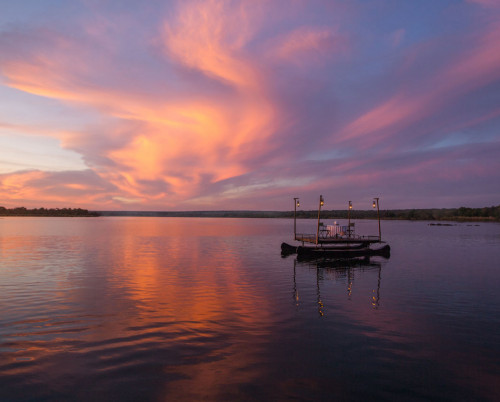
[174, 142]
[474, 68]
[210, 36]
[35, 189]
[307, 45]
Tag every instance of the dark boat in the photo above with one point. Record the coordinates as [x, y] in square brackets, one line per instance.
[287, 249]
[335, 241]
[342, 252]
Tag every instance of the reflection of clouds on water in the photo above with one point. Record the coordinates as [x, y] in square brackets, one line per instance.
[126, 301]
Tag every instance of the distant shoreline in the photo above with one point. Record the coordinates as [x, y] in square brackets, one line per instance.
[61, 212]
[486, 214]
[289, 215]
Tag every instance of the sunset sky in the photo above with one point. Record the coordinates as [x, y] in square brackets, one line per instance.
[211, 105]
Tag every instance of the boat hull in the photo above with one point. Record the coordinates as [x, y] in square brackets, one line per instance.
[287, 249]
[336, 252]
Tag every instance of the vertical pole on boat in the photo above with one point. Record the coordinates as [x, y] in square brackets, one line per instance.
[375, 203]
[349, 219]
[321, 203]
[296, 203]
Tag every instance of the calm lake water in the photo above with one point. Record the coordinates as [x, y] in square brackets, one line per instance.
[158, 309]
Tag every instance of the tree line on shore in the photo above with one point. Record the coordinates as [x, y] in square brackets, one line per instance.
[438, 214]
[22, 211]
[463, 213]
[441, 214]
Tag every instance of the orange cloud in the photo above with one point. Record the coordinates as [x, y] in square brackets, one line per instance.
[179, 142]
[210, 36]
[57, 189]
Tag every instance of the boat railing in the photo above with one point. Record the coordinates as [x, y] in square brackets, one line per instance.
[306, 237]
[371, 238]
[327, 237]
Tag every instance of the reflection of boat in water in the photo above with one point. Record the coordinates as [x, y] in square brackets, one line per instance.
[339, 269]
[340, 264]
[335, 241]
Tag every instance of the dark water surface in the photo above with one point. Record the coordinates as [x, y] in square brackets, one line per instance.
[159, 309]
